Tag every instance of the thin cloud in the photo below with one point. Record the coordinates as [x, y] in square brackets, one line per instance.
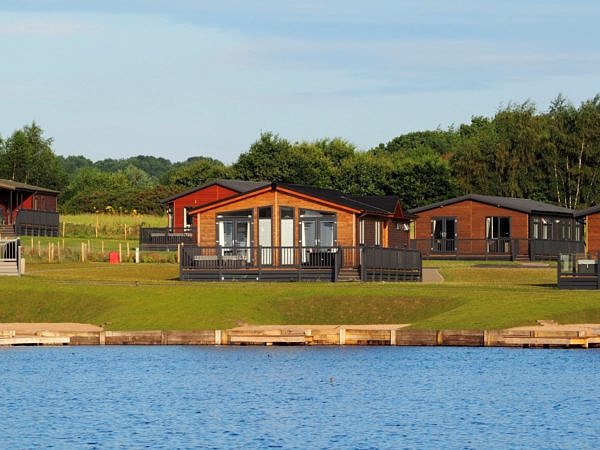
[45, 27]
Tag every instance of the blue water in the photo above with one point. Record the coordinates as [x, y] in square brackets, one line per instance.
[298, 397]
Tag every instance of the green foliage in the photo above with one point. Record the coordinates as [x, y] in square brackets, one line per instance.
[551, 156]
[26, 156]
[194, 172]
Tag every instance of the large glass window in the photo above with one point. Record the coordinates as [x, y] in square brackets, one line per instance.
[286, 230]
[265, 239]
[497, 227]
[317, 228]
[377, 239]
[235, 233]
[443, 234]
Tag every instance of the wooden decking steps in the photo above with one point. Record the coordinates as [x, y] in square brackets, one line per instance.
[7, 232]
[8, 268]
[349, 274]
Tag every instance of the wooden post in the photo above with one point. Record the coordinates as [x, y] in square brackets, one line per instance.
[49, 254]
[82, 252]
[125, 228]
[31, 244]
[63, 229]
[58, 252]
[127, 250]
[96, 224]
[178, 252]
[120, 253]
[39, 249]
[102, 247]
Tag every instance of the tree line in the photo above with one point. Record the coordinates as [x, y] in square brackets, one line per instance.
[551, 156]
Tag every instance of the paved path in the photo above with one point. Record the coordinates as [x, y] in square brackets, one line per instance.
[432, 275]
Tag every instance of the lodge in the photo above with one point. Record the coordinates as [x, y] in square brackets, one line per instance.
[285, 231]
[27, 210]
[488, 227]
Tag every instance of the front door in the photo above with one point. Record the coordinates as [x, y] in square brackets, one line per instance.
[234, 237]
[317, 230]
[443, 235]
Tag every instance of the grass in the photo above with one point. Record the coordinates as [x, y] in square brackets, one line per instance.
[149, 296]
[107, 226]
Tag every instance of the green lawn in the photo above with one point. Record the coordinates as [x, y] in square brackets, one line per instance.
[149, 296]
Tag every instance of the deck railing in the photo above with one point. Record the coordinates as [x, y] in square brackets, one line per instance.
[578, 271]
[10, 252]
[165, 238]
[31, 222]
[297, 263]
[503, 248]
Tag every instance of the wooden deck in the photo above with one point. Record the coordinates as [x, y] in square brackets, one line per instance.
[299, 264]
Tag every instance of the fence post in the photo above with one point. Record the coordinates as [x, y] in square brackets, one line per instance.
[363, 271]
[220, 261]
[259, 262]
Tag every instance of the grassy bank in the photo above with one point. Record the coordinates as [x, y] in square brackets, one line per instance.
[148, 296]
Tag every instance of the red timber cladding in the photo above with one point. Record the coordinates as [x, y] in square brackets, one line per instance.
[39, 202]
[198, 198]
[592, 235]
[471, 217]
[206, 222]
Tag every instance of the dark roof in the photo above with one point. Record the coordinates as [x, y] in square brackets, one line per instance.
[367, 203]
[587, 211]
[16, 186]
[238, 186]
[517, 204]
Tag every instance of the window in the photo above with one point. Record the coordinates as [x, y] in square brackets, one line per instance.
[188, 220]
[377, 232]
[497, 227]
[265, 234]
[286, 230]
[361, 232]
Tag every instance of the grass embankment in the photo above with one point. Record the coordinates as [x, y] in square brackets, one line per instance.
[148, 296]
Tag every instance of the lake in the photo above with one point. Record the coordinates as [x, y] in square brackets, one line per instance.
[298, 397]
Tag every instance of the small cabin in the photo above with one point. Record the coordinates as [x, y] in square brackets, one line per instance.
[28, 210]
[489, 227]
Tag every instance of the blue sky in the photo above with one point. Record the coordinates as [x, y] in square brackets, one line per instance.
[181, 78]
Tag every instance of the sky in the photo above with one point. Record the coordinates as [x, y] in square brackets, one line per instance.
[183, 78]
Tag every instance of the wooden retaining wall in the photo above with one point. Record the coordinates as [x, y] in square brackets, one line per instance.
[321, 335]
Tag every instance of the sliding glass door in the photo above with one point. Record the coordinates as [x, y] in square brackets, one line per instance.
[235, 235]
[443, 235]
[317, 233]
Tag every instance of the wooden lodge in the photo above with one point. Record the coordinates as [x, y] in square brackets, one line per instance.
[27, 210]
[284, 231]
[487, 227]
[180, 228]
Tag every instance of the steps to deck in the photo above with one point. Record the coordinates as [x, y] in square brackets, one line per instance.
[7, 232]
[8, 268]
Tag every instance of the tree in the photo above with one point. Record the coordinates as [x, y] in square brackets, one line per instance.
[26, 156]
[195, 173]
